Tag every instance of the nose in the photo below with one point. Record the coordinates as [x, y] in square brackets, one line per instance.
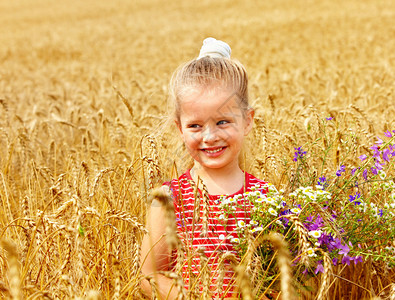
[209, 134]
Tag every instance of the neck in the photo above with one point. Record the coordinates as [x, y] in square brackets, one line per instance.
[219, 181]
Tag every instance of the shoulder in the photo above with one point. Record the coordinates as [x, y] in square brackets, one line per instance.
[252, 180]
[179, 186]
[256, 183]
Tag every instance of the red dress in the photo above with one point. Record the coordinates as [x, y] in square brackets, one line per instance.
[217, 240]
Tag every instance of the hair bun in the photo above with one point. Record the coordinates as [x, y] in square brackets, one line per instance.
[214, 48]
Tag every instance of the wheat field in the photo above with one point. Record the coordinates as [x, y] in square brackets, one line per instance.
[85, 130]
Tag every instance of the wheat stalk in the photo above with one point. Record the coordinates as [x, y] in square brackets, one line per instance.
[205, 273]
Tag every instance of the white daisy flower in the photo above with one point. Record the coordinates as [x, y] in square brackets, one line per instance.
[382, 174]
[259, 200]
[272, 211]
[231, 200]
[315, 233]
[257, 229]
[311, 252]
[235, 240]
[312, 196]
[253, 223]
[271, 201]
[241, 224]
[296, 210]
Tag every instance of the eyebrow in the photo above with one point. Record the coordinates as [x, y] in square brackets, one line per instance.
[228, 115]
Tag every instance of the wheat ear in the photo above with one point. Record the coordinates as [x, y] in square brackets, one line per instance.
[171, 230]
[302, 235]
[392, 292]
[206, 209]
[325, 281]
[13, 270]
[284, 264]
[243, 282]
[226, 256]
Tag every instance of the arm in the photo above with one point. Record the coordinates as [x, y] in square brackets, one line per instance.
[155, 254]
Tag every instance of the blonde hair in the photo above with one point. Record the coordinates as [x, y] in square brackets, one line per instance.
[207, 72]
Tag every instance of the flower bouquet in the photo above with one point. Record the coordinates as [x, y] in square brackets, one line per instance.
[343, 219]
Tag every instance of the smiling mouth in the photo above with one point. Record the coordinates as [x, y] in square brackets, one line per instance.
[213, 150]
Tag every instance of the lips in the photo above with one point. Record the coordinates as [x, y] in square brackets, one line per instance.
[213, 151]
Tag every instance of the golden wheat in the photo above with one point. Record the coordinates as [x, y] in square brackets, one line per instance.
[83, 93]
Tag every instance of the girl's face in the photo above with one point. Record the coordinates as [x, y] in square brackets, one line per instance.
[213, 126]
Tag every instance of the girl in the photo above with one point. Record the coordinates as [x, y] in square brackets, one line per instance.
[213, 117]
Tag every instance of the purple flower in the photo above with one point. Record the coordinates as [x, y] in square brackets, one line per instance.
[376, 153]
[329, 118]
[386, 154]
[392, 149]
[365, 174]
[353, 171]
[380, 212]
[374, 170]
[299, 153]
[346, 260]
[357, 259]
[379, 141]
[362, 157]
[320, 268]
[388, 134]
[344, 249]
[354, 198]
[378, 165]
[336, 243]
[322, 181]
[341, 170]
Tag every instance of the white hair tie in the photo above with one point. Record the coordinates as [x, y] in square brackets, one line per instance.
[214, 48]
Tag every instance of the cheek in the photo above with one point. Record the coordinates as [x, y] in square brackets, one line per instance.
[191, 140]
[231, 134]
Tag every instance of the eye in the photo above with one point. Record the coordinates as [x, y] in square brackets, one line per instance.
[193, 125]
[222, 122]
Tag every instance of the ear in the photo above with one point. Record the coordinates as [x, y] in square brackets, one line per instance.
[249, 120]
[178, 124]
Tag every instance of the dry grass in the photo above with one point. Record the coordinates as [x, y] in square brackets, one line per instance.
[83, 137]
